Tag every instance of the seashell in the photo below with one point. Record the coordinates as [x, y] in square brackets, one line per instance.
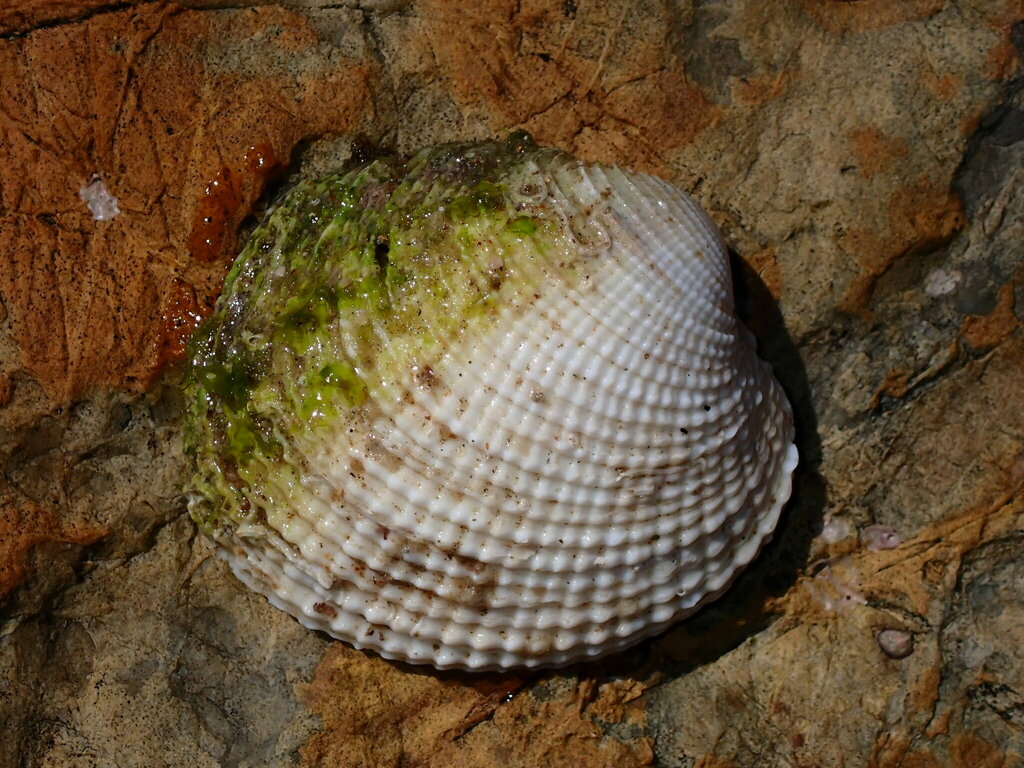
[485, 407]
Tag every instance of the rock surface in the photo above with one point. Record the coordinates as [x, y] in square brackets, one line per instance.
[865, 160]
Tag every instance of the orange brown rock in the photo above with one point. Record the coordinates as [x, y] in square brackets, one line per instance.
[218, 206]
[943, 87]
[755, 91]
[766, 265]
[24, 15]
[968, 750]
[875, 150]
[847, 16]
[894, 385]
[921, 216]
[179, 317]
[627, 107]
[24, 527]
[986, 331]
[429, 720]
[88, 300]
[918, 758]
[1003, 60]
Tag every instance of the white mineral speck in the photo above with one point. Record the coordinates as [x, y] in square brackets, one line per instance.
[941, 282]
[102, 204]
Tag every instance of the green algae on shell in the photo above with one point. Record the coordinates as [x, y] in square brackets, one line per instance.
[354, 279]
[486, 406]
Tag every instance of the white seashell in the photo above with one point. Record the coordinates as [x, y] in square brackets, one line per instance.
[486, 408]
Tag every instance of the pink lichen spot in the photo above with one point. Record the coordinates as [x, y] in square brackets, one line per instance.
[835, 588]
[876, 538]
[895, 643]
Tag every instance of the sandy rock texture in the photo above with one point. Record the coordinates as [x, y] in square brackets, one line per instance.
[865, 160]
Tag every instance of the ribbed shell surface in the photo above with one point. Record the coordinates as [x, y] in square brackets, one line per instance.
[593, 460]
